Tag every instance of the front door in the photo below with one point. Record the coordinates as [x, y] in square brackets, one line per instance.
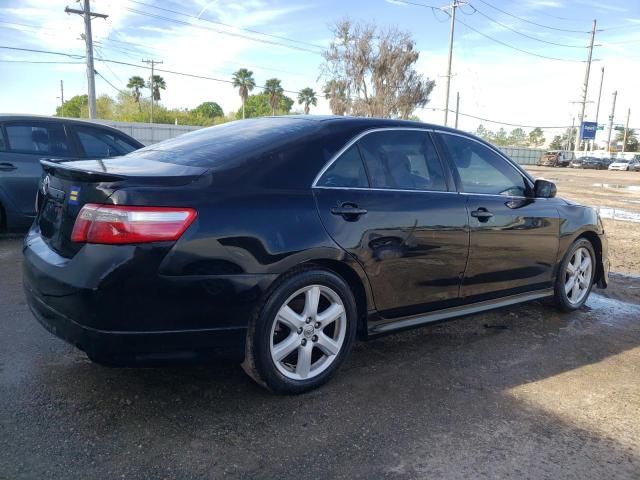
[388, 202]
[513, 236]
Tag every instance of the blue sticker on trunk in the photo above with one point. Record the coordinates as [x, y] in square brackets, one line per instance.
[74, 193]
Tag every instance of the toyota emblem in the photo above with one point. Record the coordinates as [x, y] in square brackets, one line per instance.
[45, 185]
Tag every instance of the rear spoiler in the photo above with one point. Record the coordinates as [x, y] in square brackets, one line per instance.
[65, 170]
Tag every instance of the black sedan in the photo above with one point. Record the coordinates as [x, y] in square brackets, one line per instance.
[278, 241]
[594, 163]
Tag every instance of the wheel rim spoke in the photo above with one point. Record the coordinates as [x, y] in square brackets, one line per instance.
[285, 347]
[303, 367]
[312, 298]
[290, 318]
[330, 315]
[327, 345]
[569, 285]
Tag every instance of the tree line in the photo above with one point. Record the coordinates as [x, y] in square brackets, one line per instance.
[516, 138]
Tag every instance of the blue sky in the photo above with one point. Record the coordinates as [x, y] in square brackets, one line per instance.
[494, 81]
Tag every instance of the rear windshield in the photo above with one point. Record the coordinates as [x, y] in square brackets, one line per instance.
[225, 144]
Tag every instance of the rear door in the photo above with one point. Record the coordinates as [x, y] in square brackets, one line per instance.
[514, 237]
[20, 170]
[388, 201]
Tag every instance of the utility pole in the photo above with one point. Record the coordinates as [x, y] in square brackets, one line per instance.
[598, 106]
[153, 63]
[453, 7]
[613, 112]
[570, 136]
[457, 107]
[62, 97]
[586, 86]
[626, 131]
[87, 14]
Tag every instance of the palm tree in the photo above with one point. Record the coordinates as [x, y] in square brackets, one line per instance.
[244, 82]
[336, 92]
[158, 83]
[135, 84]
[308, 97]
[274, 90]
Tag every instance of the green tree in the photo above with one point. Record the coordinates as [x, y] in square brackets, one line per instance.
[73, 107]
[209, 110]
[158, 84]
[556, 143]
[517, 137]
[536, 137]
[500, 138]
[307, 97]
[244, 82]
[259, 106]
[632, 140]
[136, 84]
[274, 90]
[336, 92]
[484, 133]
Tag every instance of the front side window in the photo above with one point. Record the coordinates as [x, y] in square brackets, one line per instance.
[346, 171]
[98, 143]
[481, 170]
[402, 159]
[38, 138]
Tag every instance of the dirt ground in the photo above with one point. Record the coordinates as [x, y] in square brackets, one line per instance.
[617, 194]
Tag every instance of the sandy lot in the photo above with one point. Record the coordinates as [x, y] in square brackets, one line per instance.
[617, 194]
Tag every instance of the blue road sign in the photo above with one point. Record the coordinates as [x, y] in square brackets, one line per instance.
[588, 130]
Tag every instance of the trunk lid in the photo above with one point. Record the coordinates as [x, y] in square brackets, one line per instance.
[66, 186]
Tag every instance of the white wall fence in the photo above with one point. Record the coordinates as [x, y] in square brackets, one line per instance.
[148, 133]
[523, 155]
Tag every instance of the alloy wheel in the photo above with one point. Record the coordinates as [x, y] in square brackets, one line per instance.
[578, 275]
[308, 332]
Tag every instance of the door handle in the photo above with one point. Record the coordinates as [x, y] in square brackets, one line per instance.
[482, 214]
[349, 211]
[7, 167]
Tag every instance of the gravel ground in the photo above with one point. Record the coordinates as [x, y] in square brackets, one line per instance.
[523, 392]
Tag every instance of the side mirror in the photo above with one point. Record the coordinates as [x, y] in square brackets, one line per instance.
[544, 189]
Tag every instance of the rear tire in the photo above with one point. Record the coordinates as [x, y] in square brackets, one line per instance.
[575, 276]
[303, 332]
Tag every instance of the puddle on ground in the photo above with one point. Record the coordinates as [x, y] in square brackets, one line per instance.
[611, 311]
[618, 214]
[631, 188]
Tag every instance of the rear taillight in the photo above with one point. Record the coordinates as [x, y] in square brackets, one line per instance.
[118, 224]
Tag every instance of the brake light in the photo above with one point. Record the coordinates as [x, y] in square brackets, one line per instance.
[120, 224]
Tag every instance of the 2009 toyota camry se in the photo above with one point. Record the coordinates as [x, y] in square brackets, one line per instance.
[279, 240]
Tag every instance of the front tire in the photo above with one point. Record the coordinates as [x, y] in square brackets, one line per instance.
[575, 276]
[303, 332]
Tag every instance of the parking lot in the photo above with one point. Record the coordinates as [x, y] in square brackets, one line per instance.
[523, 392]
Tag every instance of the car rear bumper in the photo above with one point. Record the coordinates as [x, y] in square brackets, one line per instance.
[112, 303]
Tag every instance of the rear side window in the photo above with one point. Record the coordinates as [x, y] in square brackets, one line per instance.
[3, 144]
[100, 143]
[481, 170]
[38, 138]
[346, 171]
[402, 159]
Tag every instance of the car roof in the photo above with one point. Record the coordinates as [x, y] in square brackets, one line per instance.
[370, 122]
[13, 117]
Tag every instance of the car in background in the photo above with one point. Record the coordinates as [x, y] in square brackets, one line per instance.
[556, 158]
[635, 165]
[623, 164]
[576, 163]
[26, 139]
[594, 163]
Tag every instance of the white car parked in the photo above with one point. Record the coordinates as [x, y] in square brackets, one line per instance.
[622, 164]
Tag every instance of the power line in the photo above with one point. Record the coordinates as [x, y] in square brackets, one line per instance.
[42, 62]
[517, 48]
[522, 33]
[197, 17]
[111, 84]
[531, 22]
[222, 32]
[33, 50]
[496, 121]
